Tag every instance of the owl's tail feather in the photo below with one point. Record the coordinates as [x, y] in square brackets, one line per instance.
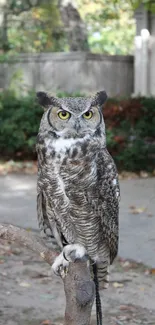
[98, 299]
[103, 275]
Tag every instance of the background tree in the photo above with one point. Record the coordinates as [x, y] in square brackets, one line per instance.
[110, 24]
[36, 26]
[100, 26]
[74, 26]
[30, 26]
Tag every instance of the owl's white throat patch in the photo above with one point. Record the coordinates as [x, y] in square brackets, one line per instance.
[61, 144]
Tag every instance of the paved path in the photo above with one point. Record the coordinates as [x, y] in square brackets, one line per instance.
[137, 231]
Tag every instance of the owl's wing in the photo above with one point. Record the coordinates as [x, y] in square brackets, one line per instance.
[46, 226]
[52, 217]
[108, 200]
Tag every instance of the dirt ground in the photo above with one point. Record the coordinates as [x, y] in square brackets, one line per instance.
[31, 295]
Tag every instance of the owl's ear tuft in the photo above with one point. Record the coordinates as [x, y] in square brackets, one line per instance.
[101, 97]
[44, 99]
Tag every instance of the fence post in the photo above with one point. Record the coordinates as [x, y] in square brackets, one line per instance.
[142, 41]
[145, 36]
[137, 65]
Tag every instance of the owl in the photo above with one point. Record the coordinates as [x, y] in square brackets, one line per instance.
[78, 189]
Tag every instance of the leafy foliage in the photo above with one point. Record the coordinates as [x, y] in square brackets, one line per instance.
[32, 28]
[40, 26]
[19, 122]
[36, 25]
[111, 26]
[131, 133]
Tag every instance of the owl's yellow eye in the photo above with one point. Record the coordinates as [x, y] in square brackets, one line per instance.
[64, 115]
[88, 115]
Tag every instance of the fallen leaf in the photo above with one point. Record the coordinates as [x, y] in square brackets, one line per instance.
[126, 264]
[122, 281]
[135, 210]
[20, 263]
[28, 229]
[16, 251]
[123, 318]
[25, 284]
[48, 296]
[118, 285]
[152, 271]
[117, 322]
[46, 322]
[142, 288]
[126, 307]
[36, 275]
[3, 273]
[147, 272]
[123, 307]
[144, 174]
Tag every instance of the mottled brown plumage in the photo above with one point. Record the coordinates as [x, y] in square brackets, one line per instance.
[78, 190]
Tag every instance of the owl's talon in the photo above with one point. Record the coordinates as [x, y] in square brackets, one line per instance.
[63, 271]
[60, 265]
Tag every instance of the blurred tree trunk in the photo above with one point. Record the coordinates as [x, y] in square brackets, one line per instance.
[74, 27]
[4, 42]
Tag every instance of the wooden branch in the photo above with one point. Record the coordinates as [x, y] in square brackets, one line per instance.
[80, 291]
[28, 240]
[78, 285]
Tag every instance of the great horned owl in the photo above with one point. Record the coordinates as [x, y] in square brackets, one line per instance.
[78, 189]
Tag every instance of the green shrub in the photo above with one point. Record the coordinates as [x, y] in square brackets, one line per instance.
[19, 123]
[131, 133]
[130, 127]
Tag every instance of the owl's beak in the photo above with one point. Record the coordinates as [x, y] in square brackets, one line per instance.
[77, 126]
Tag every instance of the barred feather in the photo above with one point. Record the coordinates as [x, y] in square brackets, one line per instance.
[78, 189]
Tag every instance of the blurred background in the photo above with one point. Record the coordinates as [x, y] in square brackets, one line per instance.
[76, 48]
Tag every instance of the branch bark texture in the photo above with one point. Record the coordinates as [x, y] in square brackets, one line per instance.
[78, 285]
[28, 240]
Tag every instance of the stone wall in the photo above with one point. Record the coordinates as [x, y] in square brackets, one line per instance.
[72, 72]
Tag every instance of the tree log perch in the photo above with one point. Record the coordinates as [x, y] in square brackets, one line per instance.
[78, 285]
[28, 240]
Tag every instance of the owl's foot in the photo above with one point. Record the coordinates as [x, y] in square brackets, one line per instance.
[75, 252]
[70, 253]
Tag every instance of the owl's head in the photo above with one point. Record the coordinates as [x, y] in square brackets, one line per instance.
[73, 117]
